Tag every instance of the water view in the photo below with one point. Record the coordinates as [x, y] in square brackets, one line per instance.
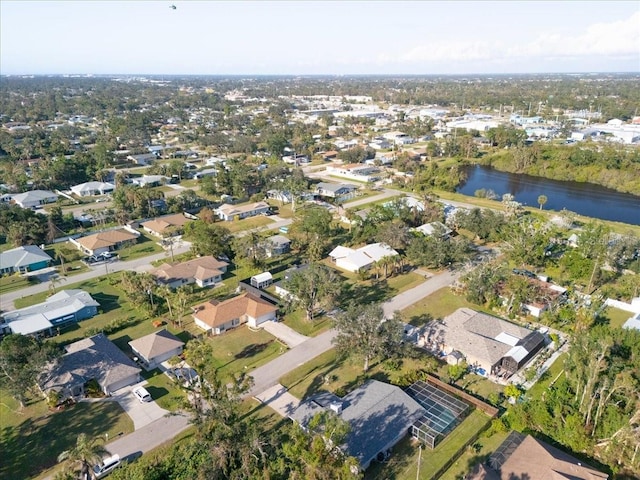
[583, 198]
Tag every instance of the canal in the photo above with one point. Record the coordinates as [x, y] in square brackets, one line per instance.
[582, 198]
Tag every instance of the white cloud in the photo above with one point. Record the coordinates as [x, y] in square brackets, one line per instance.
[615, 39]
[619, 38]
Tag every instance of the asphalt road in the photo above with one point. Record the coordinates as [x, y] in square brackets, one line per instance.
[269, 374]
[140, 264]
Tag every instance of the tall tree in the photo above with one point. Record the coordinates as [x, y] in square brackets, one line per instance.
[312, 288]
[207, 238]
[364, 332]
[87, 451]
[22, 360]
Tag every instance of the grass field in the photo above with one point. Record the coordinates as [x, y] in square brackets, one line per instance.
[470, 458]
[403, 463]
[32, 439]
[242, 349]
[437, 305]
[146, 245]
[247, 223]
[298, 321]
[164, 391]
[616, 316]
[328, 372]
[9, 283]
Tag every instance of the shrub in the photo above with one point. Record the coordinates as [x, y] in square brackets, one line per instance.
[53, 398]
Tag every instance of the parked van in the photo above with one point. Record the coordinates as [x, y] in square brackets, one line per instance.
[106, 467]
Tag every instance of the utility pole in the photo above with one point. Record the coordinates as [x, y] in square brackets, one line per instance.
[419, 458]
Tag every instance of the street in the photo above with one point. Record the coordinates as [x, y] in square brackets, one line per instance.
[139, 264]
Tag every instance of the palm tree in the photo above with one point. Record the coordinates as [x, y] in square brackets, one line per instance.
[55, 280]
[87, 451]
[542, 199]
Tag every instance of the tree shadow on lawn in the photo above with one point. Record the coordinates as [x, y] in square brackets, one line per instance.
[157, 392]
[420, 319]
[35, 444]
[377, 292]
[251, 350]
[107, 302]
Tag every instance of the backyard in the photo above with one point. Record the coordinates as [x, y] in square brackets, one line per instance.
[32, 438]
[403, 463]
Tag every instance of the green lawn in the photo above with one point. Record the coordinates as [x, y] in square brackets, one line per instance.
[146, 245]
[31, 440]
[543, 384]
[242, 349]
[9, 283]
[164, 391]
[617, 317]
[327, 372]
[403, 463]
[437, 305]
[247, 223]
[298, 321]
[470, 458]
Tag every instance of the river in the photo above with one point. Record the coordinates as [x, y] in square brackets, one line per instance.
[583, 198]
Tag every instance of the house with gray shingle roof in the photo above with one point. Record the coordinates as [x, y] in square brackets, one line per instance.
[27, 258]
[93, 358]
[379, 414]
[489, 344]
[157, 347]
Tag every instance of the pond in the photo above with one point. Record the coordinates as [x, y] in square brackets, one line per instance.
[583, 198]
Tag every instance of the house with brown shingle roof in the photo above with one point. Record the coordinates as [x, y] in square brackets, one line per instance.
[106, 241]
[522, 456]
[168, 223]
[217, 317]
[203, 271]
[157, 347]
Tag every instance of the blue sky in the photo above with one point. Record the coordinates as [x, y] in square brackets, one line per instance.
[307, 37]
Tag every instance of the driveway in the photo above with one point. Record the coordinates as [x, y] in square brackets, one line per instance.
[142, 414]
[278, 398]
[284, 333]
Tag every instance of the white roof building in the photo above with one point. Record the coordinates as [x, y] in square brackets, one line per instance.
[34, 198]
[92, 188]
[362, 258]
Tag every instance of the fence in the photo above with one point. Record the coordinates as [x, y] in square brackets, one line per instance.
[633, 307]
[454, 458]
[485, 407]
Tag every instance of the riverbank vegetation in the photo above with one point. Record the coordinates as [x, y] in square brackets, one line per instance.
[615, 167]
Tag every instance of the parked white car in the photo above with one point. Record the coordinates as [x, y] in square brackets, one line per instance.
[142, 394]
[106, 467]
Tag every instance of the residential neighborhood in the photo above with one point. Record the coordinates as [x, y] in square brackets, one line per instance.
[304, 269]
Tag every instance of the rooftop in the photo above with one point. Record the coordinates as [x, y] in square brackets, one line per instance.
[155, 344]
[215, 313]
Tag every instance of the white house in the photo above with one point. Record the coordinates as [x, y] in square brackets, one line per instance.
[89, 189]
[355, 171]
[231, 212]
[34, 198]
[362, 258]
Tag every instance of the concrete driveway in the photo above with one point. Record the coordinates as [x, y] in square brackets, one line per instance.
[142, 414]
[278, 398]
[284, 333]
